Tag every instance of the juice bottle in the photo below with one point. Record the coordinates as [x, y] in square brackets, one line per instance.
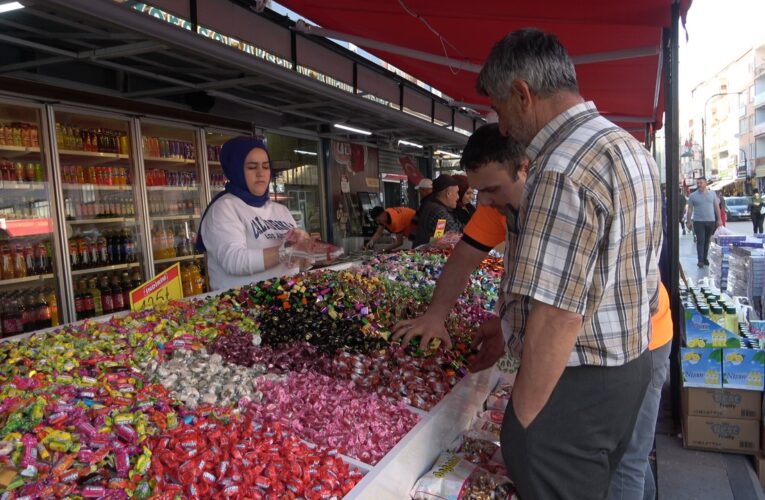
[53, 306]
[188, 286]
[124, 146]
[39, 174]
[96, 293]
[59, 136]
[29, 172]
[19, 263]
[74, 253]
[80, 174]
[44, 319]
[197, 281]
[6, 263]
[29, 259]
[83, 247]
[20, 172]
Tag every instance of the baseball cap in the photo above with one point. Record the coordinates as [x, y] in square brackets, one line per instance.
[442, 182]
[424, 184]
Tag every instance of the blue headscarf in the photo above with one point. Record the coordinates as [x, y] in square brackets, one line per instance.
[232, 157]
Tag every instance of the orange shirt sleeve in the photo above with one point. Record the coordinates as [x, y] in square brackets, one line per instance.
[487, 228]
[661, 321]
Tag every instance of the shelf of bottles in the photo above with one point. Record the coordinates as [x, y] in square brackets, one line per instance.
[213, 142]
[174, 199]
[103, 236]
[28, 287]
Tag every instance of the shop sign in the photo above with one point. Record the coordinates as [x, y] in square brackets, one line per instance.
[160, 289]
[373, 183]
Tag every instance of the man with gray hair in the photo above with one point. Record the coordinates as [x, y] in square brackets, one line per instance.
[582, 280]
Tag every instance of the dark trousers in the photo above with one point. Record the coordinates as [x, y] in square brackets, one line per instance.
[704, 232]
[757, 222]
[571, 449]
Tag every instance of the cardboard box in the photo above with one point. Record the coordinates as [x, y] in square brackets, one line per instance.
[701, 367]
[700, 331]
[743, 369]
[722, 434]
[722, 403]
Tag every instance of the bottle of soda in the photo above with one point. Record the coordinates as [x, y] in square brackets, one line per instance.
[95, 255]
[130, 253]
[13, 317]
[88, 305]
[79, 303]
[44, 313]
[83, 244]
[118, 297]
[126, 288]
[136, 280]
[42, 259]
[53, 306]
[74, 253]
[107, 303]
[103, 250]
[29, 259]
[29, 172]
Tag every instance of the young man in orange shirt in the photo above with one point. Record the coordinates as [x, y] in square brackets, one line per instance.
[397, 220]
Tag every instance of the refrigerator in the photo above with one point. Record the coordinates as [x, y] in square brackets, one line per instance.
[30, 290]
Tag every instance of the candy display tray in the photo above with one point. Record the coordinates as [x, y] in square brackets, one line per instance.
[395, 474]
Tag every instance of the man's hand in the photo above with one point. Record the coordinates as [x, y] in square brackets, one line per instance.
[490, 344]
[428, 327]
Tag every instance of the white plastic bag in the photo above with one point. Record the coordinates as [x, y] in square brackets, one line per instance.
[454, 478]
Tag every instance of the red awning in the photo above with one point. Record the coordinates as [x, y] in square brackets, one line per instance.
[613, 32]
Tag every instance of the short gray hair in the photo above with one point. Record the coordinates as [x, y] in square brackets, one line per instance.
[531, 55]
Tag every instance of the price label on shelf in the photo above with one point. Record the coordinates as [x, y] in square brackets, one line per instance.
[440, 227]
[160, 289]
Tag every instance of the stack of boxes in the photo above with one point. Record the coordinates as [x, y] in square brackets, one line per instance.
[723, 376]
[719, 252]
[746, 275]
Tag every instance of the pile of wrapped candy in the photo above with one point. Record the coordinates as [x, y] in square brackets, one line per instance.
[259, 392]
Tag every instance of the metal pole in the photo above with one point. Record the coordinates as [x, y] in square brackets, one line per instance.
[672, 141]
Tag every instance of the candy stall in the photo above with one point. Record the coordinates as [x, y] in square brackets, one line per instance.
[287, 388]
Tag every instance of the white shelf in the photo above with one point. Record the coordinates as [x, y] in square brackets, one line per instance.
[172, 188]
[96, 187]
[28, 186]
[173, 217]
[115, 267]
[10, 152]
[179, 259]
[110, 220]
[28, 279]
[91, 154]
[153, 161]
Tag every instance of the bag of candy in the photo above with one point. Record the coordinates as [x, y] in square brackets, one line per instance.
[454, 478]
[298, 250]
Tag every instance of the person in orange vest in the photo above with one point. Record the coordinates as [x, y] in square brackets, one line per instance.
[397, 220]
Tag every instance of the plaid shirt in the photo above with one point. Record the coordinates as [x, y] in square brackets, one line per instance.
[588, 238]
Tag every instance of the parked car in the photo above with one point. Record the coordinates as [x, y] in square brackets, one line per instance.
[737, 207]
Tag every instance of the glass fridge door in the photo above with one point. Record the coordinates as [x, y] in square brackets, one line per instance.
[102, 229]
[28, 268]
[174, 201]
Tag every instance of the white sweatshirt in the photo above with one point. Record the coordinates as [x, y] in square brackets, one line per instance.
[235, 235]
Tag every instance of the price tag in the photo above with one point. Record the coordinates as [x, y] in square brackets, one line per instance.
[160, 289]
[440, 227]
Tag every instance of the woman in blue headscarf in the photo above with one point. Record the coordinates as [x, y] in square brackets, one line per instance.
[242, 229]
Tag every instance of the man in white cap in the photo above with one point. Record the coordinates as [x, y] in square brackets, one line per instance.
[424, 188]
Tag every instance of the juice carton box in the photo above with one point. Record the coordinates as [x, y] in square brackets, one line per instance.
[702, 367]
[743, 369]
[700, 331]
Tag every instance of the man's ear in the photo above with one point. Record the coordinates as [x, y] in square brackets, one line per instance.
[523, 166]
[523, 91]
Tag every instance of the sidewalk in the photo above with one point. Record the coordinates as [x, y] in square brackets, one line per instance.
[687, 474]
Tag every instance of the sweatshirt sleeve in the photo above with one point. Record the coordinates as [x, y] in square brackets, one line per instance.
[226, 240]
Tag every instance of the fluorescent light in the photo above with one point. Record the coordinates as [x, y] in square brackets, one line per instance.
[351, 129]
[9, 6]
[407, 143]
[447, 154]
[302, 152]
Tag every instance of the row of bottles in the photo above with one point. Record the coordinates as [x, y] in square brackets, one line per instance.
[159, 147]
[161, 177]
[192, 279]
[159, 204]
[175, 241]
[25, 208]
[19, 134]
[101, 176]
[218, 180]
[22, 259]
[213, 152]
[22, 171]
[101, 140]
[104, 294]
[117, 206]
[28, 310]
[102, 249]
